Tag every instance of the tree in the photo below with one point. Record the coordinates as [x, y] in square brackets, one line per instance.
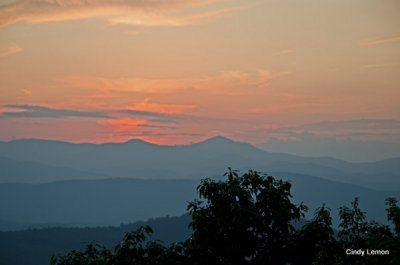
[135, 248]
[357, 233]
[393, 212]
[246, 219]
[354, 225]
[315, 243]
[94, 254]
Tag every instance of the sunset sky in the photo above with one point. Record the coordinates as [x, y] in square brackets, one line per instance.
[181, 71]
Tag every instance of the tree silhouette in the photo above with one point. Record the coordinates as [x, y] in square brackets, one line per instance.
[315, 242]
[246, 219]
[135, 248]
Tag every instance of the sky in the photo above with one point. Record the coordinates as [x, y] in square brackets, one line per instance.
[180, 71]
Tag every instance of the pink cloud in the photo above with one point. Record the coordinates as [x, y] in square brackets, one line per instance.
[147, 105]
[378, 40]
[134, 12]
[231, 82]
[26, 92]
[10, 51]
[283, 52]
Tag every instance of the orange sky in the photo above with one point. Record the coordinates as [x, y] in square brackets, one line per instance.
[178, 71]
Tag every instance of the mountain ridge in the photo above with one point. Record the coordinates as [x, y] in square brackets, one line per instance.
[214, 140]
[140, 159]
[112, 201]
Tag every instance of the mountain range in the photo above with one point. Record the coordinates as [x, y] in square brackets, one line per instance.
[121, 200]
[55, 160]
[46, 182]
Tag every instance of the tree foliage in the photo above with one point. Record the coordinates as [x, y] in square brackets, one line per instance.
[135, 248]
[246, 219]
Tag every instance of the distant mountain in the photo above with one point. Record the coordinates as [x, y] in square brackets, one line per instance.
[139, 159]
[33, 172]
[308, 144]
[112, 201]
[93, 202]
[21, 225]
[35, 246]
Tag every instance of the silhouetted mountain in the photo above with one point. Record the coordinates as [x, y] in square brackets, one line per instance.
[308, 144]
[35, 246]
[33, 172]
[112, 201]
[21, 225]
[94, 202]
[139, 159]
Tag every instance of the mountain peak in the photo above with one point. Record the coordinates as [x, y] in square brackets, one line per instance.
[138, 141]
[218, 139]
[37, 141]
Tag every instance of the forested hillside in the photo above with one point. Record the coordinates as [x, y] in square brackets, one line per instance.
[36, 246]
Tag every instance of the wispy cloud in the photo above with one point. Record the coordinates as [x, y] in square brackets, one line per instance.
[300, 138]
[154, 117]
[354, 124]
[158, 126]
[226, 83]
[283, 52]
[379, 65]
[134, 12]
[157, 20]
[32, 111]
[378, 40]
[146, 106]
[143, 113]
[157, 112]
[26, 92]
[364, 129]
[10, 50]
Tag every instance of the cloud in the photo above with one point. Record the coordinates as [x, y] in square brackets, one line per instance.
[153, 116]
[308, 144]
[26, 92]
[364, 129]
[132, 32]
[354, 124]
[157, 112]
[140, 85]
[380, 65]
[158, 126]
[283, 52]
[231, 82]
[13, 49]
[143, 113]
[31, 111]
[156, 20]
[145, 106]
[125, 123]
[384, 39]
[134, 12]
